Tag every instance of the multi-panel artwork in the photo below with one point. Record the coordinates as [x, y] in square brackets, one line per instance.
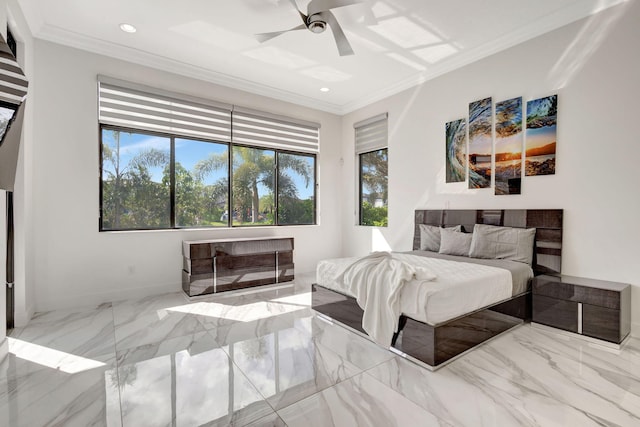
[480, 143]
[456, 147]
[508, 158]
[504, 163]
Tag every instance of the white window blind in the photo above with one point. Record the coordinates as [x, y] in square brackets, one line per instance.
[371, 134]
[135, 106]
[272, 131]
[13, 83]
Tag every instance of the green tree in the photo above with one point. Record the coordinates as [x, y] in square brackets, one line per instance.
[188, 195]
[113, 188]
[253, 168]
[131, 199]
[376, 216]
[375, 172]
[374, 175]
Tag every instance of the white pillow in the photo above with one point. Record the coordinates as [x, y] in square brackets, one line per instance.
[493, 242]
[454, 243]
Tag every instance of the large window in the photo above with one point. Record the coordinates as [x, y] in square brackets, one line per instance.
[172, 161]
[155, 181]
[372, 154]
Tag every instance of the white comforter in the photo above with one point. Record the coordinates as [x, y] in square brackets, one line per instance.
[458, 288]
[376, 282]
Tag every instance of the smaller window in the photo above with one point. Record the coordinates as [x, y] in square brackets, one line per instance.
[373, 188]
[371, 139]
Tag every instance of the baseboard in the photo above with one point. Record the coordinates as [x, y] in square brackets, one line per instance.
[97, 298]
[63, 302]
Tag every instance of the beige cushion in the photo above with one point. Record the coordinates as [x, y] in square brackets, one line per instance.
[430, 236]
[493, 242]
[454, 242]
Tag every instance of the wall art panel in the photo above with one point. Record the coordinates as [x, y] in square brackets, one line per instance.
[541, 136]
[456, 148]
[508, 151]
[480, 143]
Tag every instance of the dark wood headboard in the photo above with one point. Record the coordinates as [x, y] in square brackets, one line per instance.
[547, 257]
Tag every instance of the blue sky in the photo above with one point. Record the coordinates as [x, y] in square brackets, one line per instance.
[188, 153]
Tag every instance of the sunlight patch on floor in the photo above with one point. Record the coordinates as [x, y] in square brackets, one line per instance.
[51, 358]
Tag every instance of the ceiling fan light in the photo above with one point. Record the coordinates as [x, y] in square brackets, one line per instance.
[316, 25]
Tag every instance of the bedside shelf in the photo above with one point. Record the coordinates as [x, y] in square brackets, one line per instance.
[593, 308]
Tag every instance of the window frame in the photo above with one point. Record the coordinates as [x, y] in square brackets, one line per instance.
[172, 190]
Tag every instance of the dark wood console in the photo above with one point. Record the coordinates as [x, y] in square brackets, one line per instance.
[594, 308]
[211, 266]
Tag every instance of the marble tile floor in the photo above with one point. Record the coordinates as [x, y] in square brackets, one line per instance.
[263, 358]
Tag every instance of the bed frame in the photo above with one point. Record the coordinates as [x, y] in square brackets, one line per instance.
[435, 345]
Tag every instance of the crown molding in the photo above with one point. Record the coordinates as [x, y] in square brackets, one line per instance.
[559, 18]
[65, 37]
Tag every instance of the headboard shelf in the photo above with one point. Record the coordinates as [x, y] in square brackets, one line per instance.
[547, 222]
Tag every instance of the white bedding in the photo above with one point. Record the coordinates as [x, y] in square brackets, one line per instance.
[377, 281]
[459, 287]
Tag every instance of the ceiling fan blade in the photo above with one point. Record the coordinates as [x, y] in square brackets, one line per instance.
[302, 15]
[317, 6]
[263, 37]
[344, 48]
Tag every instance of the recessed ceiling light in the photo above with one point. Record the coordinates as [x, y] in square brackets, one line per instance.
[324, 89]
[128, 28]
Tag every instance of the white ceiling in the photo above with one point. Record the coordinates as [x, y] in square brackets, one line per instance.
[413, 40]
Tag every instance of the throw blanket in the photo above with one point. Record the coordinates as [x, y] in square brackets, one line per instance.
[376, 282]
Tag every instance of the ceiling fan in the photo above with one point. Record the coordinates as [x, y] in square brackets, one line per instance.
[318, 16]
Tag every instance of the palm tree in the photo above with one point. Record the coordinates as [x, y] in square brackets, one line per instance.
[252, 168]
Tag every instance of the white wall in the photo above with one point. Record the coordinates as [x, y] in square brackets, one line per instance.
[73, 263]
[3, 226]
[24, 290]
[594, 66]
[3, 274]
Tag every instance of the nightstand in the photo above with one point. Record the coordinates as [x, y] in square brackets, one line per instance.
[593, 308]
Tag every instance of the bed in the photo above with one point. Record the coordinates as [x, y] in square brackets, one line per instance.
[451, 323]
